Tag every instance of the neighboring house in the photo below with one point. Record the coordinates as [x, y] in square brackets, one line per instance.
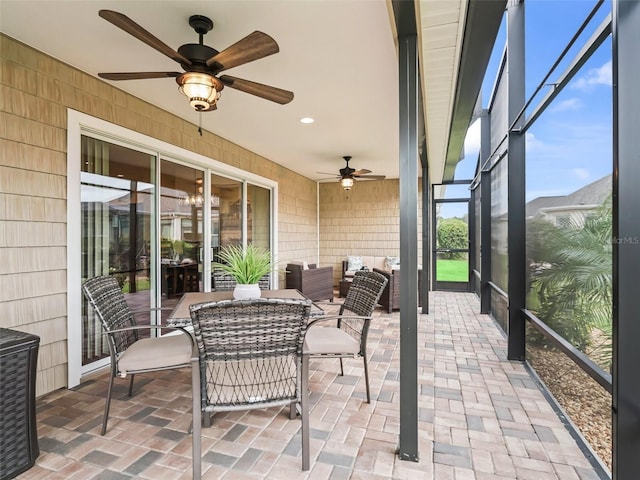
[572, 208]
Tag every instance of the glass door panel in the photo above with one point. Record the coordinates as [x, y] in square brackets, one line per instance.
[259, 221]
[181, 230]
[226, 218]
[259, 216]
[451, 262]
[116, 216]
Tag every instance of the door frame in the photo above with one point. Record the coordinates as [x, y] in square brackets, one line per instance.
[440, 285]
[78, 124]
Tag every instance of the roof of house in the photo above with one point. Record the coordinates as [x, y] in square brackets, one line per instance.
[592, 194]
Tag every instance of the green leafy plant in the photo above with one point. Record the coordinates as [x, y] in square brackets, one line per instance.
[571, 273]
[248, 265]
[452, 233]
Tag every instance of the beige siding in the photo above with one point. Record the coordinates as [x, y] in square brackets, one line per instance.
[35, 92]
[364, 222]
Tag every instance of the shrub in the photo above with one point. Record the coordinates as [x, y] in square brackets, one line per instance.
[452, 233]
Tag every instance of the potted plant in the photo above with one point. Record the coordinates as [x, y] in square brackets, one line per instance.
[247, 266]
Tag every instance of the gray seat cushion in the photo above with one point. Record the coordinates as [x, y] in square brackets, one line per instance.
[329, 340]
[153, 353]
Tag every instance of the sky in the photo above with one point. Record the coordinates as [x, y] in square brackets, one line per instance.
[570, 145]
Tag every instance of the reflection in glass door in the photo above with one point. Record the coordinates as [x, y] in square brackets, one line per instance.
[259, 216]
[182, 202]
[226, 220]
[116, 216]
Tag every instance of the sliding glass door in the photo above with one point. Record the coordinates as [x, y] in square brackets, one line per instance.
[117, 207]
[154, 221]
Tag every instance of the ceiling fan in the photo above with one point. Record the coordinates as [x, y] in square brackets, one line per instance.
[349, 175]
[201, 63]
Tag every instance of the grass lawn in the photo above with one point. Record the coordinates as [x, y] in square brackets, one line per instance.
[452, 271]
[141, 284]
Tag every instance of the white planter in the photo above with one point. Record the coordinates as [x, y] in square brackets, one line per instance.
[246, 292]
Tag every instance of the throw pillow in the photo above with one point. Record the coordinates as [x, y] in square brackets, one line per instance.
[305, 266]
[389, 262]
[355, 263]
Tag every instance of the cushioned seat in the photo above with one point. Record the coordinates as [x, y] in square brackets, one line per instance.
[129, 353]
[330, 340]
[348, 338]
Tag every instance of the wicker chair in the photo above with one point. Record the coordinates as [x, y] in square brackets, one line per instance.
[349, 337]
[131, 354]
[315, 283]
[250, 356]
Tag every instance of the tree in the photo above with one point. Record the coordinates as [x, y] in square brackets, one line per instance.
[571, 271]
[452, 233]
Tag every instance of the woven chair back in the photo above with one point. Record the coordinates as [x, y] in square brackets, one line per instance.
[105, 296]
[362, 298]
[250, 351]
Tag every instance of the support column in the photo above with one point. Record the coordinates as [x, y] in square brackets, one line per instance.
[408, 76]
[516, 226]
[626, 245]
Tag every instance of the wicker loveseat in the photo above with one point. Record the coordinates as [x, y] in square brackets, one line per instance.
[354, 263]
[316, 283]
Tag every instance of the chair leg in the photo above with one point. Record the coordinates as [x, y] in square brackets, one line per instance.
[131, 385]
[196, 411]
[293, 413]
[304, 412]
[366, 376]
[341, 368]
[107, 404]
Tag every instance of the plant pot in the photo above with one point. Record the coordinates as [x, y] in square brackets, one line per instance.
[246, 291]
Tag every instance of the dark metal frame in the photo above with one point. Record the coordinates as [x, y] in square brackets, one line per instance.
[626, 231]
[516, 186]
[408, 60]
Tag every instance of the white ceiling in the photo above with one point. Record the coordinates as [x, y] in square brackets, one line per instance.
[337, 56]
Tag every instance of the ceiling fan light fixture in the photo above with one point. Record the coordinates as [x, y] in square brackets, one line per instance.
[347, 182]
[202, 89]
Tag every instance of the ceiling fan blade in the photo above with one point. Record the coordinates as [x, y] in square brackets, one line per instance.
[370, 177]
[362, 171]
[258, 89]
[125, 23]
[326, 173]
[137, 75]
[252, 47]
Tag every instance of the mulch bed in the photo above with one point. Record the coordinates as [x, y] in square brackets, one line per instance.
[586, 403]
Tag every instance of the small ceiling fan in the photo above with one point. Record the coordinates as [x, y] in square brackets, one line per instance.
[349, 175]
[201, 64]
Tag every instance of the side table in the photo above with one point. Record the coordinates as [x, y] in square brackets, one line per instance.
[18, 434]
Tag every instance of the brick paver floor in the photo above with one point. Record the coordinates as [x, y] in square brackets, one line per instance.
[480, 417]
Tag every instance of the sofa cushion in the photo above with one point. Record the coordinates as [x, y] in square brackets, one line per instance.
[355, 263]
[368, 261]
[378, 262]
[390, 262]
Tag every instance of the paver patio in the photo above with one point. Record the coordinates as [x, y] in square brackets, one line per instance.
[480, 417]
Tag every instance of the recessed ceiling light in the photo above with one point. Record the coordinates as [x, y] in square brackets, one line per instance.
[307, 120]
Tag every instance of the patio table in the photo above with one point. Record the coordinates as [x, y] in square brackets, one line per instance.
[181, 317]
